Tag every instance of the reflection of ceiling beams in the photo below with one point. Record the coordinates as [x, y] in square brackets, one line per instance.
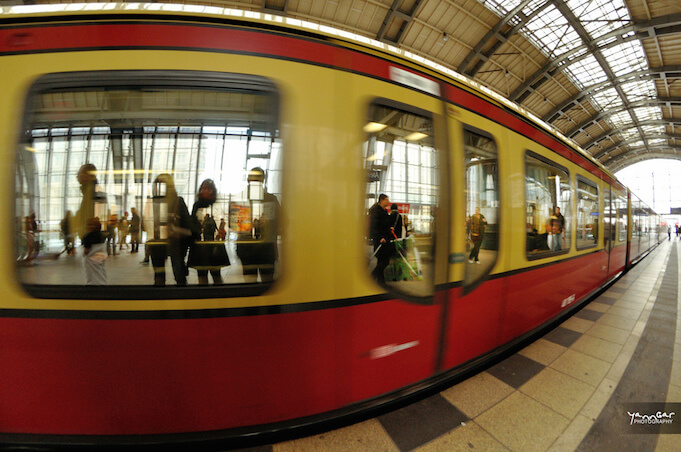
[150, 117]
[394, 16]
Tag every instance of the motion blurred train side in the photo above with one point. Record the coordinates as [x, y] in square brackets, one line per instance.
[334, 122]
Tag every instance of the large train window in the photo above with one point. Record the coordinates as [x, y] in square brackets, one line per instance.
[548, 207]
[622, 218]
[482, 204]
[401, 196]
[149, 178]
[587, 214]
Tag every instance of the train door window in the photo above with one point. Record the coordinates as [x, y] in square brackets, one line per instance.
[622, 218]
[185, 165]
[587, 214]
[401, 164]
[548, 207]
[482, 204]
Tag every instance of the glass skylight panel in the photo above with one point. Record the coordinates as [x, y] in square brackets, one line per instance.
[638, 90]
[658, 141]
[653, 130]
[648, 113]
[620, 119]
[551, 32]
[625, 58]
[501, 7]
[607, 98]
[629, 133]
[600, 16]
[586, 72]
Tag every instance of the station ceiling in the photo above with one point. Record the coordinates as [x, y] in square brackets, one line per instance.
[605, 73]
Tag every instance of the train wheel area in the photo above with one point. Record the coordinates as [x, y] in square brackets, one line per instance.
[579, 387]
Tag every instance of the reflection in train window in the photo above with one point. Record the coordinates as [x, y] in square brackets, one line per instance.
[548, 206]
[119, 168]
[587, 214]
[622, 218]
[400, 160]
[482, 204]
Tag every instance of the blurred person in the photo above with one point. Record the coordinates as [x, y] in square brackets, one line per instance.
[396, 221]
[222, 231]
[381, 235]
[206, 255]
[111, 234]
[123, 231]
[66, 228]
[179, 234]
[94, 253]
[257, 246]
[92, 194]
[135, 226]
[476, 230]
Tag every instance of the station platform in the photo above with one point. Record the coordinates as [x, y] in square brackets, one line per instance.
[570, 390]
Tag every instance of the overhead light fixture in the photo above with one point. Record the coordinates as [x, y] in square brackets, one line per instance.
[445, 38]
[415, 136]
[374, 127]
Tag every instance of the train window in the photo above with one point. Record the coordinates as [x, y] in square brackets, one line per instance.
[587, 214]
[482, 204]
[181, 171]
[548, 207]
[622, 218]
[401, 196]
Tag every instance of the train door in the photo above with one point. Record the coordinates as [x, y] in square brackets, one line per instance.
[399, 337]
[608, 224]
[475, 303]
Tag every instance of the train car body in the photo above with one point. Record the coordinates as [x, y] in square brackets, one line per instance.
[134, 363]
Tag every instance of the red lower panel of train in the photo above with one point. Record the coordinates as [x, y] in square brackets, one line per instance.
[114, 377]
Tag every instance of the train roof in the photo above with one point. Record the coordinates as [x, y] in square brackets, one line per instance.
[341, 37]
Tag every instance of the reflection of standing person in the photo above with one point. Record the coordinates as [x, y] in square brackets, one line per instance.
[206, 255]
[66, 227]
[396, 221]
[380, 235]
[557, 224]
[94, 253]
[222, 231]
[476, 230]
[135, 224]
[87, 178]
[257, 247]
[178, 231]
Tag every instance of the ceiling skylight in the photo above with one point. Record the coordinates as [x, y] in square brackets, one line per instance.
[554, 34]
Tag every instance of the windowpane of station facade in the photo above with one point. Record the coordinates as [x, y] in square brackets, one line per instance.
[482, 204]
[548, 215]
[401, 161]
[587, 214]
[145, 149]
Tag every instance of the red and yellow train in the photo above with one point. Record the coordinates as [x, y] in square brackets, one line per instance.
[307, 336]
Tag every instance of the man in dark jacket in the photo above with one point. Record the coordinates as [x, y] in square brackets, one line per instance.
[380, 235]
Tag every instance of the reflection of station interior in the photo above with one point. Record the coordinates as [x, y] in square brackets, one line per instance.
[569, 390]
